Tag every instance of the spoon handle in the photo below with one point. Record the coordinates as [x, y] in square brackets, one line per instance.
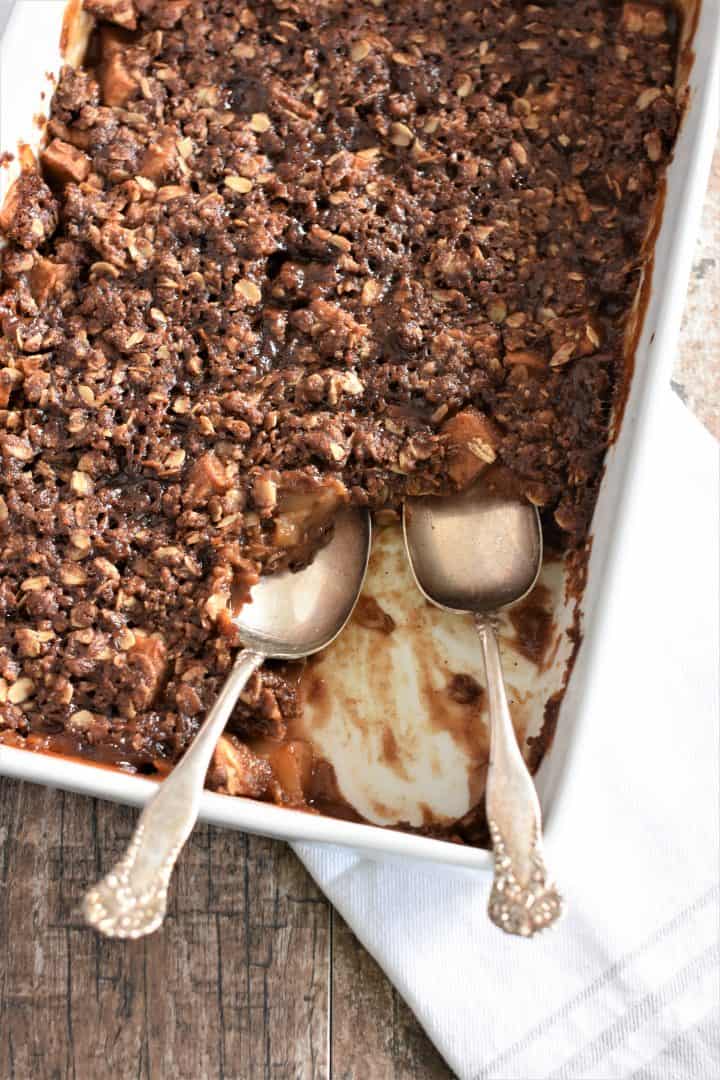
[523, 899]
[131, 900]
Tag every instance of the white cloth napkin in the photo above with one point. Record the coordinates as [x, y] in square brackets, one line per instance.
[634, 964]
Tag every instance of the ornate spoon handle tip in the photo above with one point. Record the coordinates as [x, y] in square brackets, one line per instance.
[523, 899]
[131, 900]
[522, 909]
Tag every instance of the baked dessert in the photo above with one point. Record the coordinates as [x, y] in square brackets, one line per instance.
[276, 257]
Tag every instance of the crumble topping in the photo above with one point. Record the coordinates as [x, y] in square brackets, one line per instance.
[278, 257]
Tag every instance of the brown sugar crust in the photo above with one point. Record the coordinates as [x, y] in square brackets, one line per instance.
[283, 256]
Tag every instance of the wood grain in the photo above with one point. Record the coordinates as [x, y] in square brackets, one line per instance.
[251, 978]
[374, 1034]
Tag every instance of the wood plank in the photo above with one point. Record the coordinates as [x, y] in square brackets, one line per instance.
[35, 1021]
[235, 985]
[373, 1032]
[106, 986]
[275, 992]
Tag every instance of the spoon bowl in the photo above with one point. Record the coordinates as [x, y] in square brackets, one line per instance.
[294, 614]
[474, 552]
[289, 616]
[478, 552]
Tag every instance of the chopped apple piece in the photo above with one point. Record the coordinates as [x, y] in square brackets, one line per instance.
[65, 164]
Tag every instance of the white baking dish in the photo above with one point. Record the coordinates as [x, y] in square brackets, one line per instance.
[350, 733]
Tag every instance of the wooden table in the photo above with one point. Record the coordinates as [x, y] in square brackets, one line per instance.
[253, 977]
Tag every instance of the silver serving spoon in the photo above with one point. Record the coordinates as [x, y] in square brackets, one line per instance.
[477, 552]
[290, 616]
